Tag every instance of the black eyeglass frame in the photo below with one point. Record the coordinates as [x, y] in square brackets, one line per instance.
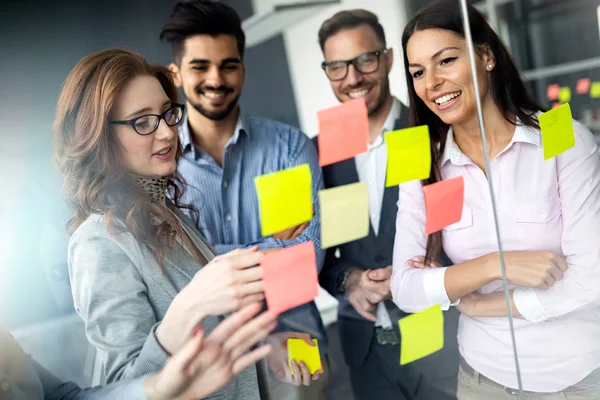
[132, 121]
[354, 62]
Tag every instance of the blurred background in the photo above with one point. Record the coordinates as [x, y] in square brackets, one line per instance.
[555, 43]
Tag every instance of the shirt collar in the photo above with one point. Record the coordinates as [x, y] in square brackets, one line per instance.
[523, 134]
[388, 125]
[185, 135]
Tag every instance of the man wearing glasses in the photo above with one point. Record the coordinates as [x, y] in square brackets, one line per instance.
[357, 63]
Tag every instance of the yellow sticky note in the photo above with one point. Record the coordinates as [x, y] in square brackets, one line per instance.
[409, 156]
[564, 94]
[344, 214]
[284, 199]
[557, 130]
[595, 90]
[421, 334]
[299, 350]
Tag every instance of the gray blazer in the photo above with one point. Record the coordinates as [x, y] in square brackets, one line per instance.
[121, 293]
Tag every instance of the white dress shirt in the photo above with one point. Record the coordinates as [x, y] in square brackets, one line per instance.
[371, 167]
[542, 205]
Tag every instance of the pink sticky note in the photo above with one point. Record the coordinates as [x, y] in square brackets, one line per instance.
[290, 277]
[583, 86]
[552, 92]
[443, 203]
[343, 131]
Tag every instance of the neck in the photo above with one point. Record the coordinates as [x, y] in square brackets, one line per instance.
[210, 135]
[155, 188]
[498, 131]
[377, 119]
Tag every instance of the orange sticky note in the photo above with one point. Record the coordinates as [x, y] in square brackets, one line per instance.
[299, 350]
[558, 134]
[422, 334]
[552, 92]
[343, 131]
[443, 203]
[290, 277]
[583, 85]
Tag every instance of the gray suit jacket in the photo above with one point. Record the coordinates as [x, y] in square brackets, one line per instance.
[121, 293]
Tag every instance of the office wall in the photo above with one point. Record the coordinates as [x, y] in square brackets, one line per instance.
[311, 88]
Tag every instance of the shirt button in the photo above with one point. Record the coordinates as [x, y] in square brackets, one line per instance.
[225, 184]
[229, 218]
[4, 386]
[543, 215]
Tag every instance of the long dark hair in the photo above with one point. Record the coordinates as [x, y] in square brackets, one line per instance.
[88, 155]
[507, 87]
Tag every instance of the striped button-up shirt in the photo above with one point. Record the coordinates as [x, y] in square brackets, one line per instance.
[226, 196]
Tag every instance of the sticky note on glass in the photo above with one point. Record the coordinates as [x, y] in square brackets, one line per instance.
[299, 350]
[557, 130]
[344, 214]
[284, 199]
[595, 90]
[343, 131]
[409, 156]
[443, 203]
[552, 92]
[290, 277]
[583, 85]
[421, 334]
[564, 95]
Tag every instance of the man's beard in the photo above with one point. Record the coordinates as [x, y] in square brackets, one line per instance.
[215, 115]
[218, 115]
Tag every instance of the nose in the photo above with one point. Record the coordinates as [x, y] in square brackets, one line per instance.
[164, 131]
[213, 76]
[354, 77]
[433, 80]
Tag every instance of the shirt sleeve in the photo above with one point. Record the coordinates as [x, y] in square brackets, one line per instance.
[303, 152]
[578, 171]
[55, 389]
[414, 290]
[111, 298]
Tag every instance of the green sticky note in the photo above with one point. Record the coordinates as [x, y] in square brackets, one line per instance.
[344, 214]
[284, 199]
[564, 94]
[421, 334]
[409, 155]
[557, 130]
[299, 350]
[595, 90]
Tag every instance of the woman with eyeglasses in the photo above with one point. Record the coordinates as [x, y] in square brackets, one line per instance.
[195, 371]
[142, 276]
[548, 214]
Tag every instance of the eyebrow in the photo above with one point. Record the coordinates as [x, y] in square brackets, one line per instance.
[436, 55]
[229, 60]
[145, 109]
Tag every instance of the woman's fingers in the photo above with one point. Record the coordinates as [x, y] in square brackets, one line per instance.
[250, 334]
[230, 324]
[250, 358]
[249, 275]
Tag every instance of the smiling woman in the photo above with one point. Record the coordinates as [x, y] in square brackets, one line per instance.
[548, 212]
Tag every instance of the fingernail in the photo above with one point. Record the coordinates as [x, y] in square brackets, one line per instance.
[197, 330]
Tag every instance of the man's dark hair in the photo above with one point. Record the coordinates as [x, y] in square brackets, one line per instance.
[350, 19]
[201, 17]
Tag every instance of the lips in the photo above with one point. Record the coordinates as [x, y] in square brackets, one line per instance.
[163, 152]
[358, 93]
[446, 98]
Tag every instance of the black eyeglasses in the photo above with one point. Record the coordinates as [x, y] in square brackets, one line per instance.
[147, 124]
[365, 63]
